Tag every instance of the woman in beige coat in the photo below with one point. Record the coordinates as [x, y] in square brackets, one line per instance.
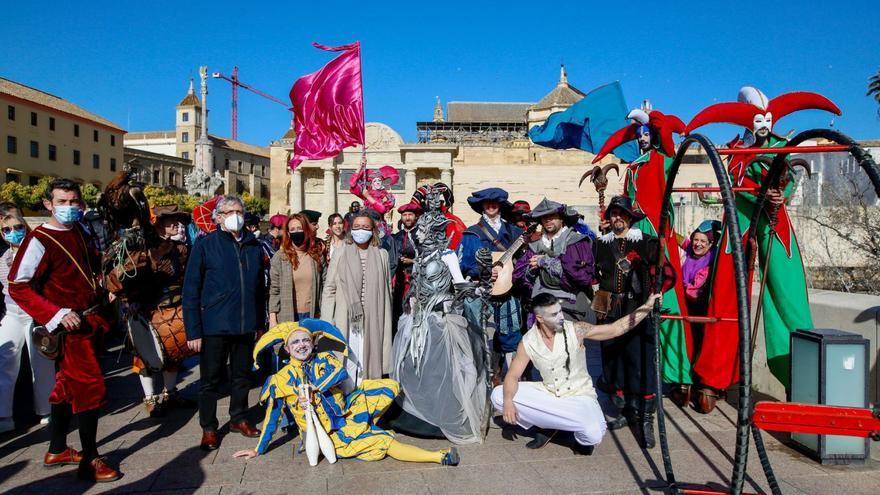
[357, 299]
[295, 273]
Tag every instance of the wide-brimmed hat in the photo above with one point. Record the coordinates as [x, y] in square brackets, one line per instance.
[477, 198]
[548, 207]
[624, 203]
[164, 211]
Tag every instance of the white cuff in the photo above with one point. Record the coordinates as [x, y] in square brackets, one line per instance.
[56, 320]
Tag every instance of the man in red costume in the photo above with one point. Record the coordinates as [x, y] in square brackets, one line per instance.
[645, 184]
[54, 280]
[785, 306]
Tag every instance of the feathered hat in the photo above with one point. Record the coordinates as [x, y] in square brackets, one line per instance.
[751, 102]
[327, 337]
[661, 125]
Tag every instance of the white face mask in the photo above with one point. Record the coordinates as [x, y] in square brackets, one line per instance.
[762, 123]
[361, 236]
[233, 223]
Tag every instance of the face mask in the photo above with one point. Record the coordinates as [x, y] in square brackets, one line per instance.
[233, 223]
[297, 238]
[361, 236]
[67, 214]
[15, 237]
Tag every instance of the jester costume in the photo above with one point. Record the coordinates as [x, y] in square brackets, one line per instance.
[349, 418]
[785, 305]
[645, 184]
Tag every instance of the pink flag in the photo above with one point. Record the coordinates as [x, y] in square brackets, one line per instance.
[328, 107]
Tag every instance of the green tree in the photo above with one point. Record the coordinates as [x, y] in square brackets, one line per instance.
[90, 194]
[874, 89]
[255, 205]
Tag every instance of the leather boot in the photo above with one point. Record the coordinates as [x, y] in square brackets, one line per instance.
[628, 409]
[705, 399]
[646, 416]
[680, 394]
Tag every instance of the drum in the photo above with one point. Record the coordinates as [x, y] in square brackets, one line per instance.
[160, 341]
[168, 324]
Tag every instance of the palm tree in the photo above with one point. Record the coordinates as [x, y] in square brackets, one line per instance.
[874, 88]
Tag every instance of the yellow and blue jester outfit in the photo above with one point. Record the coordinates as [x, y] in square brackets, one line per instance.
[349, 418]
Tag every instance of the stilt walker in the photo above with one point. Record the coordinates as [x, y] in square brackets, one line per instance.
[784, 302]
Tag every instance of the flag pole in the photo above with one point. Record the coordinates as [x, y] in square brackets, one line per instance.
[363, 121]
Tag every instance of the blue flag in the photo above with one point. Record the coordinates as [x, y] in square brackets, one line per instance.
[587, 124]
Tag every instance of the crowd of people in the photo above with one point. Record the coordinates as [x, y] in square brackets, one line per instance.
[230, 293]
[352, 324]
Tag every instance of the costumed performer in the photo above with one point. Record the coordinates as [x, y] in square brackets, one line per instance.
[348, 417]
[150, 287]
[645, 184]
[565, 398]
[785, 304]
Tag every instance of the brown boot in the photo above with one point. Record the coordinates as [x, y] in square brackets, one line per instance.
[680, 394]
[705, 399]
[98, 471]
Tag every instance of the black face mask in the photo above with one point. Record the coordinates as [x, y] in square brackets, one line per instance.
[297, 238]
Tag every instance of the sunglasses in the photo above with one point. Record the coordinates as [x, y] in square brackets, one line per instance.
[6, 230]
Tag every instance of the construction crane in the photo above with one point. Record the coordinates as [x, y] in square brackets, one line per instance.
[235, 84]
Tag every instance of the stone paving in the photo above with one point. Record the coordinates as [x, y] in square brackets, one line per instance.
[162, 456]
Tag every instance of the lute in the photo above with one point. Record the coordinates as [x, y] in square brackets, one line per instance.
[504, 282]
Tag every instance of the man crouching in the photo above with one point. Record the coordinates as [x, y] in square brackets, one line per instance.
[566, 399]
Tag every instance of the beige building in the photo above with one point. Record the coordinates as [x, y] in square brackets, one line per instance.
[157, 169]
[48, 135]
[476, 145]
[245, 166]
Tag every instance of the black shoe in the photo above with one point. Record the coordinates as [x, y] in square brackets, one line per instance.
[451, 458]
[583, 449]
[542, 438]
[617, 423]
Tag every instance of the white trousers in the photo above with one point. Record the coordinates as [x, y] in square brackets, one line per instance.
[535, 406]
[15, 330]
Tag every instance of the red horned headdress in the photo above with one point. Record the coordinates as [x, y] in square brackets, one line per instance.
[753, 110]
[661, 125]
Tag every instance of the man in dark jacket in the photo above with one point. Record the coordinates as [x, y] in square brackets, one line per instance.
[223, 309]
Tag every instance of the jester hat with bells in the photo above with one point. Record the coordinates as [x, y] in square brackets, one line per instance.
[325, 336]
[753, 110]
[661, 126]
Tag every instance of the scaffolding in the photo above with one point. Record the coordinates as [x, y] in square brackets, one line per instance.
[471, 133]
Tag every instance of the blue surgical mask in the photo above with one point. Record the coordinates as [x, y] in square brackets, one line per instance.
[15, 237]
[68, 214]
[361, 236]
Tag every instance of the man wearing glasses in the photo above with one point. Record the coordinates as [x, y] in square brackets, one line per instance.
[222, 310]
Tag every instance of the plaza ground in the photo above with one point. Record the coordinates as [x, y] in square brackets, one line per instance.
[162, 456]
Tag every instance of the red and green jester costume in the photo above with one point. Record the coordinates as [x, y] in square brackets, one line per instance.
[785, 304]
[645, 183]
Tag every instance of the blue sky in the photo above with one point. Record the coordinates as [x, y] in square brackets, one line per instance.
[132, 64]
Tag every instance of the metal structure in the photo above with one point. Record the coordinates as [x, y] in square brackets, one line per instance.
[235, 85]
[807, 418]
[473, 133]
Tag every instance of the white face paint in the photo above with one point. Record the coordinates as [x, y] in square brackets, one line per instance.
[377, 183]
[762, 124]
[551, 317]
[300, 345]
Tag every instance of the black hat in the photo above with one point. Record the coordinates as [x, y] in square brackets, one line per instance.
[624, 203]
[548, 207]
[312, 215]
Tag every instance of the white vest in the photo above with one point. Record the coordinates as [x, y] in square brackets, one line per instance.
[551, 364]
